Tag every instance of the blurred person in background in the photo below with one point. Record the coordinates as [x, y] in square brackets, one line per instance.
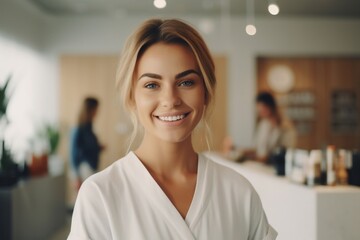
[272, 131]
[84, 146]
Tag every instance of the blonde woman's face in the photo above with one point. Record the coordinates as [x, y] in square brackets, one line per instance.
[169, 92]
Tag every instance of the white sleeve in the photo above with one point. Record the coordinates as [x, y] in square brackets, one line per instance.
[260, 229]
[89, 219]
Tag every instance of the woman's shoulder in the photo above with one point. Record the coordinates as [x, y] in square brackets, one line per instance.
[112, 176]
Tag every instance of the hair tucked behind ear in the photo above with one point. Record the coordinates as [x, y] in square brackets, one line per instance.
[170, 31]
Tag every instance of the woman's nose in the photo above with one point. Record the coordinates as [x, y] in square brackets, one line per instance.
[170, 97]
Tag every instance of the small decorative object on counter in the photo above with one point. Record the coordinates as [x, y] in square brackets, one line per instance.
[289, 162]
[38, 162]
[44, 159]
[298, 174]
[277, 158]
[341, 171]
[313, 172]
[331, 165]
[55, 163]
[354, 171]
[323, 169]
[38, 165]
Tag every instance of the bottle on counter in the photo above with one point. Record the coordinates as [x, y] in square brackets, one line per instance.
[323, 169]
[313, 173]
[289, 162]
[298, 174]
[331, 165]
[341, 173]
[349, 163]
[354, 168]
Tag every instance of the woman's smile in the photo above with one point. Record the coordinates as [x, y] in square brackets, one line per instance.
[172, 117]
[172, 120]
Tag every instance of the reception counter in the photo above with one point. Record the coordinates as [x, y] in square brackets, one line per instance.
[33, 209]
[299, 212]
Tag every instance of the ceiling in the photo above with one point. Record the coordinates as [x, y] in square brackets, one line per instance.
[296, 8]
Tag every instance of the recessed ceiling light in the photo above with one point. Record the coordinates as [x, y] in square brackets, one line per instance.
[273, 9]
[250, 29]
[160, 4]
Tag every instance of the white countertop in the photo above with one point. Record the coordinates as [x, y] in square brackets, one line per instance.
[299, 212]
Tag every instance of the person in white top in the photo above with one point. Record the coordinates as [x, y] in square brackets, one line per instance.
[164, 189]
[273, 130]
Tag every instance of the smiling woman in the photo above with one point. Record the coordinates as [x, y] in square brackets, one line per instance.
[164, 189]
[175, 33]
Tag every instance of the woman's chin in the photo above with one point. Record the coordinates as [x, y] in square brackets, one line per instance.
[173, 138]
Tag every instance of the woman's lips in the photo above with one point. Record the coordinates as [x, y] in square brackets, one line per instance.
[172, 117]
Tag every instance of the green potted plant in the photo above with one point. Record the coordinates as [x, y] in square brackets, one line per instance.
[46, 160]
[9, 173]
[56, 165]
[53, 137]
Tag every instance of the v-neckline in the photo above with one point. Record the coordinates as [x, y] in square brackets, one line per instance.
[197, 202]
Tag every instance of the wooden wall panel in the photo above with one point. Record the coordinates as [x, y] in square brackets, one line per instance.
[343, 74]
[321, 76]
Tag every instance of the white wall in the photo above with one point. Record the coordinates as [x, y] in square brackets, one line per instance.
[49, 37]
[276, 36]
[33, 97]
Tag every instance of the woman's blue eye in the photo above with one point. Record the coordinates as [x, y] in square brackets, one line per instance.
[151, 86]
[186, 83]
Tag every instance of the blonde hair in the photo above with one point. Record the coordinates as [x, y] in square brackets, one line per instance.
[171, 31]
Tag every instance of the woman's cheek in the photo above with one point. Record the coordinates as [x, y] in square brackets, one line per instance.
[197, 97]
[145, 104]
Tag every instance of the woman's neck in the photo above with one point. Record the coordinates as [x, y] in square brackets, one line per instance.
[167, 159]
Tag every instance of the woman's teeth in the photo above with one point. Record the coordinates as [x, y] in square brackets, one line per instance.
[172, 118]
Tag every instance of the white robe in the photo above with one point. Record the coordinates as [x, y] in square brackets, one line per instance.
[125, 202]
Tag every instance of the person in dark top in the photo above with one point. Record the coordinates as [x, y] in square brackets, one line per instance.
[84, 146]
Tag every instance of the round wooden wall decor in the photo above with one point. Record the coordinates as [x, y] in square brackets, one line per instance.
[281, 78]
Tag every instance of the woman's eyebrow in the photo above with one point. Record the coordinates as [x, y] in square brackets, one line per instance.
[185, 73]
[177, 76]
[150, 75]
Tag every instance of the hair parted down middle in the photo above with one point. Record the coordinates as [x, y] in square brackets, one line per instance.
[171, 31]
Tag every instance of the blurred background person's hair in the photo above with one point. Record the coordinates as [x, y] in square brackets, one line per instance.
[88, 110]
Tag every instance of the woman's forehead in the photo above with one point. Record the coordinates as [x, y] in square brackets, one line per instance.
[163, 55]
